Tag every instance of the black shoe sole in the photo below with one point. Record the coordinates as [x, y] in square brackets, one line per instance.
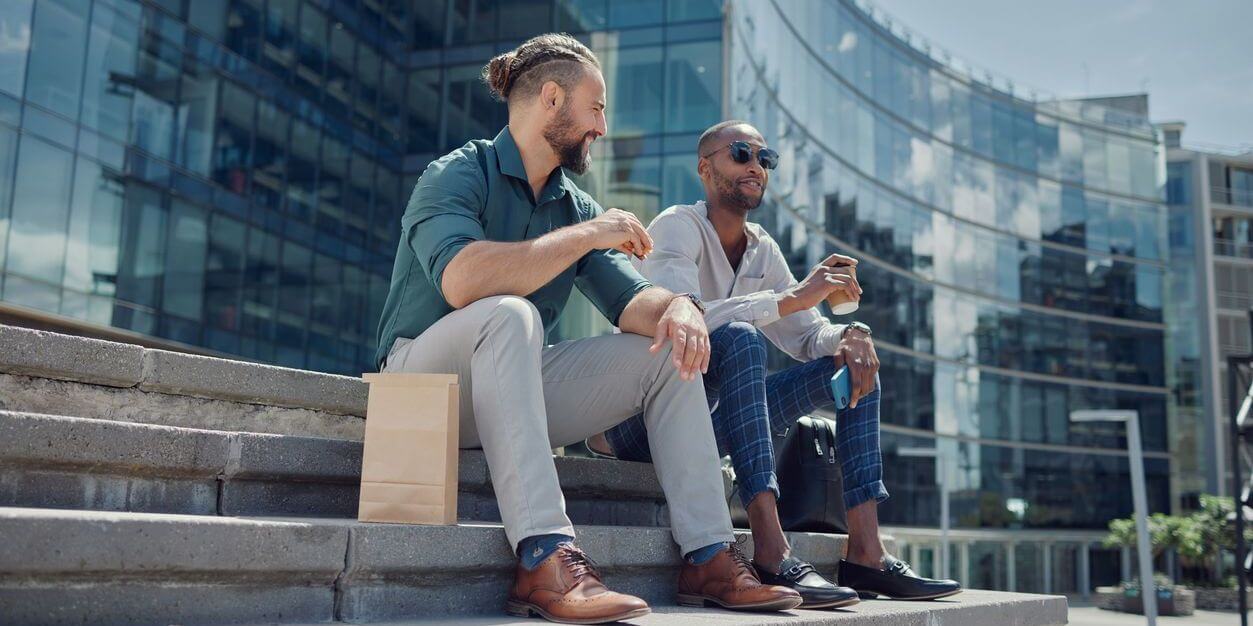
[834, 604]
[781, 604]
[871, 595]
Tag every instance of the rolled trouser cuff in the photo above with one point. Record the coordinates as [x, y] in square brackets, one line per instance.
[752, 485]
[876, 491]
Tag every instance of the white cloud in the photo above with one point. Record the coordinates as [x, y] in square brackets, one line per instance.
[11, 42]
[848, 41]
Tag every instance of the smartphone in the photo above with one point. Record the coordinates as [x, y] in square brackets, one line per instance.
[841, 388]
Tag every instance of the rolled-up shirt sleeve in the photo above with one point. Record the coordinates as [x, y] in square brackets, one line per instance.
[607, 278]
[804, 335]
[441, 219]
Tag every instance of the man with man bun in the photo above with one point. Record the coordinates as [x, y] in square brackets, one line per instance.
[494, 238]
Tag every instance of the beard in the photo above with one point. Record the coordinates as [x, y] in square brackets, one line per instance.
[568, 146]
[732, 196]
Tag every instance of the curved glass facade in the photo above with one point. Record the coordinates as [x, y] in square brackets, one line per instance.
[229, 174]
[1013, 260]
[223, 174]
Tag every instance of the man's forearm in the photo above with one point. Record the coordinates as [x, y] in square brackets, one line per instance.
[491, 268]
[644, 311]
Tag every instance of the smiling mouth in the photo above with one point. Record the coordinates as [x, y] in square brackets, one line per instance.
[752, 184]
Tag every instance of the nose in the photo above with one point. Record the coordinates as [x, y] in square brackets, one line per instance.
[754, 166]
[602, 124]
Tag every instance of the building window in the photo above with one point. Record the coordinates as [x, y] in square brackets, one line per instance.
[54, 78]
[693, 86]
[15, 31]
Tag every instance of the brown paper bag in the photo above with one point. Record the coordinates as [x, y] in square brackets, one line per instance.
[409, 464]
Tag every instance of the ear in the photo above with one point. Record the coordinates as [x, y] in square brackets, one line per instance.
[551, 95]
[702, 166]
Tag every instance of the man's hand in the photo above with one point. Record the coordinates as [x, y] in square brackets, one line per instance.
[619, 230]
[684, 325]
[856, 350]
[836, 273]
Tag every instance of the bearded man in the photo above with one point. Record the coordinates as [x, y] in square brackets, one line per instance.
[493, 240]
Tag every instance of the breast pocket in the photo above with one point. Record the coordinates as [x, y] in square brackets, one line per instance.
[745, 285]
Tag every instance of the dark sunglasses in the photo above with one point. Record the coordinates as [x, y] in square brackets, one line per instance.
[741, 152]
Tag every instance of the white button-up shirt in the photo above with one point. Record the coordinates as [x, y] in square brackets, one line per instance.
[687, 257]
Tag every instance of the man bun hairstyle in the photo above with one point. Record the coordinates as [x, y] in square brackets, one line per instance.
[521, 72]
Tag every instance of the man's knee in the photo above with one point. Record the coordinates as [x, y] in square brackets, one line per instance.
[662, 364]
[739, 336]
[510, 316]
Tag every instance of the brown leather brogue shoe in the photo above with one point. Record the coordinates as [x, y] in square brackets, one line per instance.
[728, 580]
[566, 588]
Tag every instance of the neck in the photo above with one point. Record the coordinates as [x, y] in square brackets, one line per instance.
[538, 157]
[728, 223]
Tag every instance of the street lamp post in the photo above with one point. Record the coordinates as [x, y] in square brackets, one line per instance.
[1148, 590]
[942, 479]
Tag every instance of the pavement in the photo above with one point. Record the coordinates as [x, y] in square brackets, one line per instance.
[1092, 616]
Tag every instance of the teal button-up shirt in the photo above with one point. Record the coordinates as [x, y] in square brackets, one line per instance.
[480, 192]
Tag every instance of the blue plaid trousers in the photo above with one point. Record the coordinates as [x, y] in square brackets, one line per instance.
[747, 406]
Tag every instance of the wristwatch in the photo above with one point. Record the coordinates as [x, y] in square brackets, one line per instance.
[860, 326]
[700, 306]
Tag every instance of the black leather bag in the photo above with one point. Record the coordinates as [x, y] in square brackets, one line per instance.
[811, 486]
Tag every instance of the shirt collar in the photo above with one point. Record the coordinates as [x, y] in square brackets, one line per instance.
[510, 160]
[703, 209]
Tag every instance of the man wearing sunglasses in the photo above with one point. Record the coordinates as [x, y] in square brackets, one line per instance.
[711, 249]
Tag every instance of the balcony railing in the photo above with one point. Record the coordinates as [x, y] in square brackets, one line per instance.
[1227, 195]
[1234, 300]
[1227, 247]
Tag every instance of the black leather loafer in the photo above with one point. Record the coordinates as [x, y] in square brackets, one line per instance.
[816, 591]
[896, 581]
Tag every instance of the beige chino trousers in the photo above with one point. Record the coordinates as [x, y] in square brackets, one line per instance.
[520, 399]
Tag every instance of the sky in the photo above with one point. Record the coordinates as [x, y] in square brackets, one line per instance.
[1194, 58]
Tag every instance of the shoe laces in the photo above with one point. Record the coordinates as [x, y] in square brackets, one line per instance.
[578, 562]
[737, 555]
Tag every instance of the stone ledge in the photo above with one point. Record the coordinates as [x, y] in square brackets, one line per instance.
[28, 352]
[971, 608]
[83, 463]
[53, 355]
[61, 397]
[148, 568]
[50, 442]
[240, 381]
[43, 542]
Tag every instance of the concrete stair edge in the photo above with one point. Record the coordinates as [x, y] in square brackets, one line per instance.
[84, 463]
[97, 563]
[28, 352]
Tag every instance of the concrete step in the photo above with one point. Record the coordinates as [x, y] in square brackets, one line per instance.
[80, 463]
[63, 567]
[44, 372]
[971, 608]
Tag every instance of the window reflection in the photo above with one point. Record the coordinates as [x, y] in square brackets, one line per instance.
[54, 73]
[40, 207]
[15, 31]
[91, 255]
[108, 82]
[693, 86]
[635, 93]
[185, 269]
[155, 97]
[142, 263]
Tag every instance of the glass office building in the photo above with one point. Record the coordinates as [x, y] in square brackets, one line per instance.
[228, 176]
[1209, 192]
[1013, 258]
